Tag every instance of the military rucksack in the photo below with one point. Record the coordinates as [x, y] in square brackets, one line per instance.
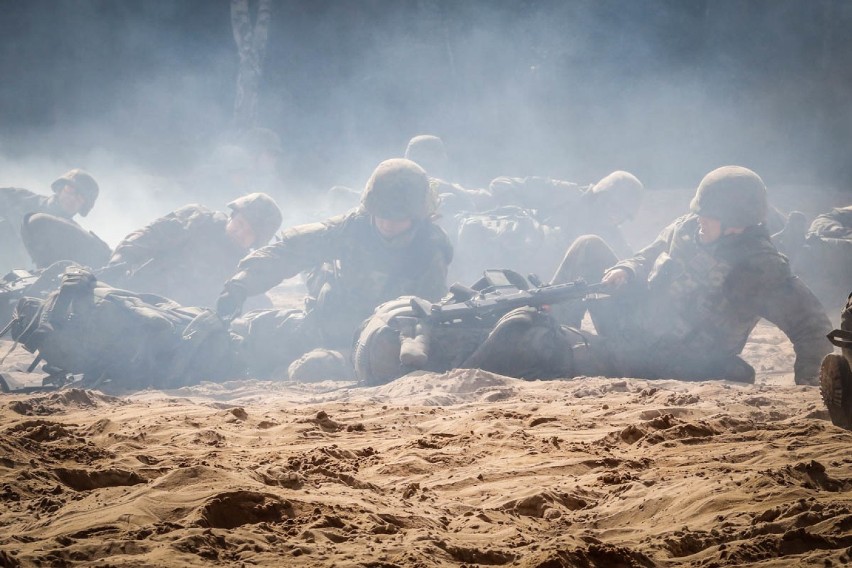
[121, 340]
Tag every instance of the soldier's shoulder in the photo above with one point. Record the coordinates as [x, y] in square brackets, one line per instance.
[194, 209]
[439, 240]
[16, 194]
[759, 255]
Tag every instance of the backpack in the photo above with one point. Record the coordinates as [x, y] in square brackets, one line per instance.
[121, 340]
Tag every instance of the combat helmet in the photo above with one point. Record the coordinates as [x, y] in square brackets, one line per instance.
[734, 195]
[262, 212]
[429, 153]
[620, 193]
[83, 182]
[399, 189]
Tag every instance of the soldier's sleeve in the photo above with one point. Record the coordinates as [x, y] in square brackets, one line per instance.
[16, 202]
[158, 237]
[783, 299]
[479, 199]
[641, 264]
[299, 248]
[834, 224]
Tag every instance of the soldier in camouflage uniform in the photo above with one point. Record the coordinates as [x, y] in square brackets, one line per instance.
[42, 227]
[821, 255]
[537, 218]
[429, 153]
[386, 248]
[187, 254]
[684, 306]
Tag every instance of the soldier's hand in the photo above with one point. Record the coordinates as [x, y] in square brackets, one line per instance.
[230, 302]
[616, 277]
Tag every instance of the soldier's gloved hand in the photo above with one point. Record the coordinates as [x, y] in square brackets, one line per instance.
[231, 300]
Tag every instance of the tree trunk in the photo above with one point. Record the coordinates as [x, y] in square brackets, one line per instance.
[251, 46]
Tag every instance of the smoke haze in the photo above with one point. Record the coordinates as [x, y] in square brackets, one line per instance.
[142, 93]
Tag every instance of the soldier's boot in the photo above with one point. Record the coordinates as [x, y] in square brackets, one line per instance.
[319, 365]
[791, 238]
[835, 385]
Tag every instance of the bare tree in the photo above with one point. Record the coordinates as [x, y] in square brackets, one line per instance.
[251, 42]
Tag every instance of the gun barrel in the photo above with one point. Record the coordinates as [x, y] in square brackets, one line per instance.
[499, 304]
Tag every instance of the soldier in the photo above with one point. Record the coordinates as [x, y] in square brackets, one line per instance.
[539, 217]
[685, 305]
[822, 255]
[386, 248]
[42, 227]
[429, 153]
[187, 254]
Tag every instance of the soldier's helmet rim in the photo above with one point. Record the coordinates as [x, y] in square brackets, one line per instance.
[398, 189]
[83, 182]
[262, 212]
[621, 190]
[735, 195]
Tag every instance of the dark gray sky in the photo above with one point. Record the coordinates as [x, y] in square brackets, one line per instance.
[668, 89]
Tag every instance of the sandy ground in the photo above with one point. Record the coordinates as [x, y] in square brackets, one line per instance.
[461, 469]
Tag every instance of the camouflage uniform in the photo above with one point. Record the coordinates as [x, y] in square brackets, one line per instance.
[15, 204]
[36, 229]
[185, 256]
[824, 260]
[537, 218]
[454, 200]
[366, 270]
[689, 307]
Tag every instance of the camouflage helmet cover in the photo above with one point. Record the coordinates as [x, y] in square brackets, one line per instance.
[399, 189]
[262, 212]
[83, 182]
[621, 190]
[429, 153]
[732, 194]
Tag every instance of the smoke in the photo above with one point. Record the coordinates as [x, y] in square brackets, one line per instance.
[141, 93]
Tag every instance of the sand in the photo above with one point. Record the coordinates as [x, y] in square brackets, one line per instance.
[461, 469]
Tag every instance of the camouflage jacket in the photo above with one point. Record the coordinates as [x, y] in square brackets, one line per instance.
[15, 204]
[837, 224]
[185, 256]
[366, 269]
[562, 205]
[701, 302]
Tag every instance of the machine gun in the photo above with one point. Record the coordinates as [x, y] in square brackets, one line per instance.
[496, 294]
[481, 306]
